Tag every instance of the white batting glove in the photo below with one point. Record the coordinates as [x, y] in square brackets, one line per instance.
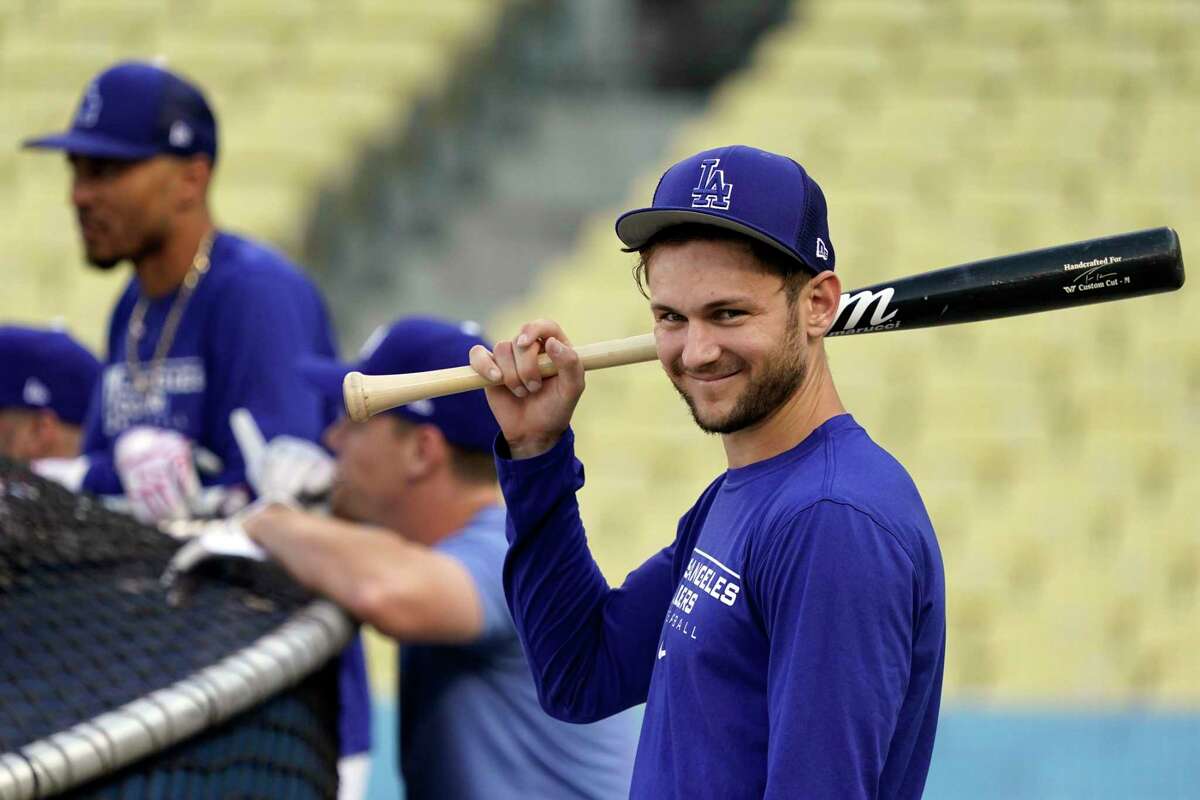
[223, 538]
[285, 469]
[157, 472]
[68, 472]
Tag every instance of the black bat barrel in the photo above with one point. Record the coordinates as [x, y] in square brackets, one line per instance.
[1092, 271]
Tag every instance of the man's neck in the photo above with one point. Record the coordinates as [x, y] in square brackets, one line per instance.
[441, 511]
[69, 441]
[161, 272]
[812, 405]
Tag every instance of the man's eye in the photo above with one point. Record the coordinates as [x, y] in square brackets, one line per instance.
[107, 169]
[669, 316]
[727, 314]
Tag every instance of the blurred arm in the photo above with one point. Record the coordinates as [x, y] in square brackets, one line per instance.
[406, 590]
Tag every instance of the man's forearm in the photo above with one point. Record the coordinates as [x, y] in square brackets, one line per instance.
[319, 552]
[406, 590]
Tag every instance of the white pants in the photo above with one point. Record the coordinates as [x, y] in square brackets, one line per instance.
[354, 772]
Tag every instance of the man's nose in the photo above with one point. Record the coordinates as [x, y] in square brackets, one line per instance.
[83, 191]
[700, 348]
[335, 433]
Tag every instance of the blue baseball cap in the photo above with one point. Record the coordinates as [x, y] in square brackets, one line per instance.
[420, 344]
[762, 195]
[46, 369]
[135, 110]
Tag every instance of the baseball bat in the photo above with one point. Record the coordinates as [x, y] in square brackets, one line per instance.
[1093, 271]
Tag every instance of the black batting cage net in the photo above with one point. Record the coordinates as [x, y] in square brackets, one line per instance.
[113, 686]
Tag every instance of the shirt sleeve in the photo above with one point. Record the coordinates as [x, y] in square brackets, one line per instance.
[591, 648]
[101, 477]
[256, 340]
[836, 592]
[354, 696]
[481, 552]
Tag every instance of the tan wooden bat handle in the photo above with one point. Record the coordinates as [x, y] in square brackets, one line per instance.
[367, 395]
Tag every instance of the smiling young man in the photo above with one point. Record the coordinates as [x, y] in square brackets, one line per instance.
[789, 643]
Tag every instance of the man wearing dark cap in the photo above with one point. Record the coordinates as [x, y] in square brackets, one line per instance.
[209, 322]
[416, 549]
[46, 380]
[789, 643]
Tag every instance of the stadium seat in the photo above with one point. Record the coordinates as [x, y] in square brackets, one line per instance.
[1020, 23]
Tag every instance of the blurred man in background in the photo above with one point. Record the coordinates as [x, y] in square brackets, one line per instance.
[210, 321]
[417, 550]
[46, 380]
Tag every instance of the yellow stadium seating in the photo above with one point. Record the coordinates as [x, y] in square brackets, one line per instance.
[1055, 452]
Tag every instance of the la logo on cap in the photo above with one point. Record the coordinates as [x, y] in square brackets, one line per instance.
[712, 191]
[89, 109]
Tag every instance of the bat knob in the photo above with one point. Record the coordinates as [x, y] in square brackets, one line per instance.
[355, 397]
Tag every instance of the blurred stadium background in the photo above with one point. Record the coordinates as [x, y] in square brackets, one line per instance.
[468, 157]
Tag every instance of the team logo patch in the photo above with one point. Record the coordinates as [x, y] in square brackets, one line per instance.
[712, 191]
[422, 407]
[89, 108]
[180, 134]
[35, 393]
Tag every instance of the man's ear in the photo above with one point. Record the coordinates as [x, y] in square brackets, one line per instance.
[45, 425]
[43, 435]
[823, 294]
[428, 452]
[195, 173]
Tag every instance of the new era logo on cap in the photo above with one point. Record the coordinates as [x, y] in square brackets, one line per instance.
[35, 393]
[822, 250]
[180, 135]
[422, 407]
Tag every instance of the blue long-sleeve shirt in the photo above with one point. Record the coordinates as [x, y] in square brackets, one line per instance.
[788, 644]
[243, 329]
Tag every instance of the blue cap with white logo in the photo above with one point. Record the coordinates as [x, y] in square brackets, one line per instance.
[46, 369]
[762, 195]
[133, 111]
[420, 344]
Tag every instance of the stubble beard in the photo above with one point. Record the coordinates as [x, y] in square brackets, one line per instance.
[784, 373]
[341, 501]
[103, 264]
[150, 244]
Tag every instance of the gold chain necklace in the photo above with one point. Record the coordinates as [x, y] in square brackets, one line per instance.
[139, 377]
